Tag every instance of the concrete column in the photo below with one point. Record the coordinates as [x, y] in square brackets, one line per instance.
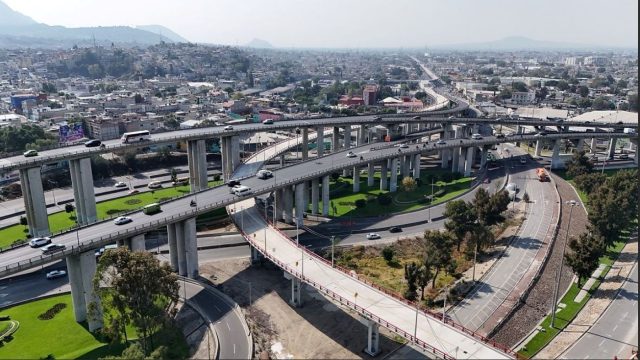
[483, 156]
[315, 195]
[197, 158]
[362, 135]
[455, 158]
[593, 146]
[127, 243]
[288, 205]
[347, 136]
[612, 147]
[555, 158]
[305, 143]
[120, 243]
[384, 169]
[279, 204]
[34, 203]
[181, 249]
[335, 139]
[300, 204]
[325, 195]
[407, 166]
[282, 160]
[538, 148]
[256, 256]
[225, 150]
[370, 174]
[356, 180]
[461, 160]
[83, 194]
[86, 303]
[320, 140]
[296, 292]
[416, 166]
[235, 148]
[191, 247]
[137, 243]
[373, 338]
[469, 162]
[393, 183]
[173, 246]
[580, 145]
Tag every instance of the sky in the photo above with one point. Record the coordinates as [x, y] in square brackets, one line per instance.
[356, 23]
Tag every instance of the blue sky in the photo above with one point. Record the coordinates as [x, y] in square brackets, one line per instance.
[356, 23]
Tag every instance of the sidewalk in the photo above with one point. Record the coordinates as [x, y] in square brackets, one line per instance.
[596, 305]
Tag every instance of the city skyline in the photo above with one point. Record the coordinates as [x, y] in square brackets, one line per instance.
[331, 24]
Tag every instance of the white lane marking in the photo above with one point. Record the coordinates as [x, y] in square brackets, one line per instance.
[228, 327]
[234, 348]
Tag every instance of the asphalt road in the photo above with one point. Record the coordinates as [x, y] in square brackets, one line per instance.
[494, 287]
[615, 333]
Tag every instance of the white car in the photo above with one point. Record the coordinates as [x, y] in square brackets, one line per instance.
[56, 274]
[373, 236]
[268, 122]
[350, 154]
[241, 190]
[264, 174]
[476, 137]
[228, 127]
[154, 185]
[404, 146]
[51, 248]
[120, 184]
[441, 142]
[120, 220]
[41, 241]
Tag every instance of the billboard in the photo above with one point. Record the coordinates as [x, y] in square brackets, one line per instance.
[71, 132]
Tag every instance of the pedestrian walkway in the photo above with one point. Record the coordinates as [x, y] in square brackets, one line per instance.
[598, 303]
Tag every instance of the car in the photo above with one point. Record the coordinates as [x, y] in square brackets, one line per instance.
[121, 220]
[264, 174]
[395, 229]
[373, 149]
[540, 134]
[350, 154]
[404, 146]
[623, 156]
[30, 153]
[39, 241]
[523, 160]
[416, 118]
[233, 183]
[451, 117]
[441, 142]
[241, 190]
[54, 274]
[52, 248]
[133, 191]
[93, 143]
[267, 121]
[228, 127]
[593, 158]
[499, 136]
[373, 236]
[476, 137]
[154, 185]
[377, 118]
[120, 184]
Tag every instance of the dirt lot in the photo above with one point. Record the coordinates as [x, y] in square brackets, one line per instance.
[317, 330]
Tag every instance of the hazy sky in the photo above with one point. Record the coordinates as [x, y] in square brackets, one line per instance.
[356, 23]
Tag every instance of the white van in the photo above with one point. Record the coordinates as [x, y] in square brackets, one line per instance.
[241, 190]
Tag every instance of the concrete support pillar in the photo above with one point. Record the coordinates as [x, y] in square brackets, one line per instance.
[373, 338]
[384, 169]
[235, 153]
[483, 157]
[320, 140]
[362, 135]
[325, 195]
[555, 158]
[518, 131]
[279, 204]
[455, 158]
[173, 246]
[137, 243]
[612, 148]
[416, 166]
[462, 155]
[335, 139]
[538, 150]
[300, 203]
[393, 183]
[347, 137]
[86, 304]
[296, 292]
[191, 247]
[120, 243]
[225, 150]
[282, 160]
[305, 143]
[83, 194]
[34, 203]
[256, 256]
[288, 205]
[315, 195]
[580, 145]
[593, 146]
[356, 180]
[197, 158]
[180, 247]
[370, 174]
[469, 162]
[407, 166]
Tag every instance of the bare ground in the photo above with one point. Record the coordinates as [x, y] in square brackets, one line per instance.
[319, 329]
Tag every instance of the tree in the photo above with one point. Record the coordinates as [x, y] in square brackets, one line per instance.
[481, 205]
[172, 123]
[460, 219]
[138, 99]
[519, 86]
[579, 165]
[525, 197]
[601, 103]
[23, 222]
[424, 276]
[384, 199]
[563, 85]
[498, 203]
[174, 175]
[437, 246]
[409, 184]
[583, 259]
[582, 90]
[139, 291]
[388, 253]
[608, 211]
[360, 203]
[411, 275]
[130, 161]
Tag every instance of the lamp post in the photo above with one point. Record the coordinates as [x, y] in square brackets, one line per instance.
[430, 205]
[571, 203]
[52, 190]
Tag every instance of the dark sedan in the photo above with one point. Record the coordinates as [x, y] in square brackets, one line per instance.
[92, 143]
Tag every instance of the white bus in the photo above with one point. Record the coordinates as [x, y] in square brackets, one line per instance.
[135, 136]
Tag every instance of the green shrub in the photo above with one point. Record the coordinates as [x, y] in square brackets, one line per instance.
[360, 203]
[52, 312]
[384, 199]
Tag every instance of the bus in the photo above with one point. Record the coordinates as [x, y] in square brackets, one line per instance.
[151, 209]
[134, 136]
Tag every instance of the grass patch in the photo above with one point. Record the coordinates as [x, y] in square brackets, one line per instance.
[62, 221]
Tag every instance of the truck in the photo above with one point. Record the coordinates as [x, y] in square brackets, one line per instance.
[542, 175]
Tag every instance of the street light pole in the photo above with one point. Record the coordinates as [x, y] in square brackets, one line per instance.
[571, 203]
[430, 205]
[333, 244]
